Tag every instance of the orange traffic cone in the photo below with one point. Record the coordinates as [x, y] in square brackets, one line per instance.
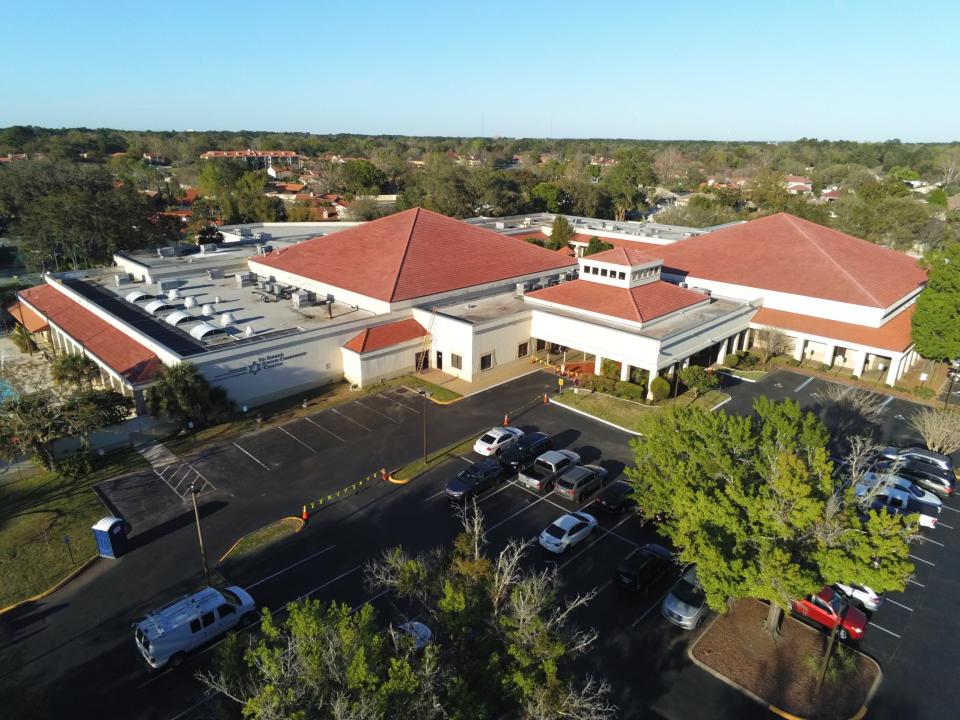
[545, 399]
[383, 474]
[506, 419]
[304, 515]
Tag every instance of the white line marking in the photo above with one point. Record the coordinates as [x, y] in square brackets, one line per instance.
[603, 587]
[468, 462]
[370, 600]
[324, 429]
[900, 605]
[914, 582]
[928, 540]
[193, 707]
[947, 507]
[436, 494]
[298, 440]
[621, 537]
[880, 627]
[721, 403]
[330, 582]
[948, 527]
[802, 385]
[591, 544]
[251, 457]
[403, 405]
[375, 411]
[922, 560]
[351, 420]
[495, 492]
[883, 406]
[290, 567]
[511, 517]
[646, 612]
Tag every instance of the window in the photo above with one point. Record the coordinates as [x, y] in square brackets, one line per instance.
[195, 625]
[541, 345]
[595, 270]
[603, 272]
[225, 610]
[586, 269]
[523, 349]
[621, 275]
[486, 362]
[456, 361]
[206, 619]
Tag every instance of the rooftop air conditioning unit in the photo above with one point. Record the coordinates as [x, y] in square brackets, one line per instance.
[165, 285]
[208, 248]
[215, 273]
[521, 289]
[227, 319]
[258, 236]
[684, 285]
[249, 331]
[122, 279]
[500, 225]
[165, 252]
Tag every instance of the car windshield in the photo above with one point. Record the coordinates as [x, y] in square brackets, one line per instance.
[836, 604]
[469, 476]
[687, 593]
[581, 518]
[556, 532]
[488, 439]
[912, 489]
[230, 597]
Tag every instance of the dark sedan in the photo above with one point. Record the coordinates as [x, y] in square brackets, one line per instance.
[615, 498]
[648, 568]
[525, 451]
[475, 479]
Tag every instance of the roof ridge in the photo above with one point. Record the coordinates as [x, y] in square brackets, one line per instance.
[813, 241]
[633, 299]
[403, 258]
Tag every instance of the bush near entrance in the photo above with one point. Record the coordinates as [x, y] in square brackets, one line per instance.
[731, 360]
[660, 389]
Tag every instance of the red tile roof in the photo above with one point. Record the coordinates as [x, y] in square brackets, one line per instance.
[566, 250]
[383, 336]
[624, 256]
[639, 304]
[410, 255]
[115, 349]
[790, 255]
[894, 335]
[24, 315]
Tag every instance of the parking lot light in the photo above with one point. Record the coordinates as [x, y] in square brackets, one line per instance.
[423, 414]
[196, 516]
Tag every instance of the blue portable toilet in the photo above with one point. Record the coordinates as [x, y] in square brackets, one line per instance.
[111, 536]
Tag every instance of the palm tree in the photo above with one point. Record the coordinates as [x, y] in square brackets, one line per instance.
[181, 393]
[75, 370]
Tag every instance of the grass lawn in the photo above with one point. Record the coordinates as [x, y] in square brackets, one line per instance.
[629, 414]
[35, 514]
[408, 472]
[262, 537]
[435, 391]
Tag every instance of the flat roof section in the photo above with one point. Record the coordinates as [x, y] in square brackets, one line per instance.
[485, 309]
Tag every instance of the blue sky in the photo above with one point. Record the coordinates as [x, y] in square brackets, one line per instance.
[764, 69]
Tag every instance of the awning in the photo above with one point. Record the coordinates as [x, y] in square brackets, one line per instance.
[32, 321]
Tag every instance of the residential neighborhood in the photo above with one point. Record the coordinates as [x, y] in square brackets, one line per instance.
[413, 399]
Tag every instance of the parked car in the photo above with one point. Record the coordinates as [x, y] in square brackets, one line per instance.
[939, 481]
[418, 632]
[495, 440]
[615, 498]
[648, 566]
[580, 482]
[829, 610]
[567, 531]
[897, 502]
[860, 595]
[686, 604]
[166, 635]
[547, 468]
[889, 479]
[474, 480]
[525, 450]
[919, 455]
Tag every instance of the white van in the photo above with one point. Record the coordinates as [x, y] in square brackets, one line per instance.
[168, 634]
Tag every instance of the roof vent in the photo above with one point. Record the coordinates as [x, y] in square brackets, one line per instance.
[173, 294]
[216, 299]
[521, 288]
[208, 309]
[190, 302]
[227, 319]
[249, 331]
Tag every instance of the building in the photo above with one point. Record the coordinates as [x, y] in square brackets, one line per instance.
[256, 159]
[279, 308]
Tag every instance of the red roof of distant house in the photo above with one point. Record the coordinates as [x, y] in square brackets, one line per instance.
[115, 349]
[383, 336]
[566, 250]
[625, 256]
[639, 304]
[786, 254]
[412, 254]
[189, 196]
[798, 179]
[894, 335]
[831, 194]
[247, 154]
[24, 315]
[293, 187]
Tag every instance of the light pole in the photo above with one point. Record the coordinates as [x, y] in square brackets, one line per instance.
[196, 516]
[423, 394]
[953, 373]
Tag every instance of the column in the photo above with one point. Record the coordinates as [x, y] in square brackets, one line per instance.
[829, 351]
[651, 374]
[723, 350]
[671, 370]
[893, 374]
[597, 364]
[686, 363]
[624, 372]
[747, 338]
[799, 345]
[859, 361]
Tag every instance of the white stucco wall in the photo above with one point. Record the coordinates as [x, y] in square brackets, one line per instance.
[380, 365]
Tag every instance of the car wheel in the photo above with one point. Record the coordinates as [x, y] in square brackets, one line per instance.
[843, 634]
[699, 621]
[176, 659]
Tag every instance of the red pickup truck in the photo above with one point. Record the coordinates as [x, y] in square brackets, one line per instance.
[828, 608]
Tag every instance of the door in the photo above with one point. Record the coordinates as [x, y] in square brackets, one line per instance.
[439, 360]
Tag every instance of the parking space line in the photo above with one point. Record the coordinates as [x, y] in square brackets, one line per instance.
[646, 612]
[298, 440]
[802, 385]
[521, 510]
[590, 545]
[330, 582]
[290, 567]
[636, 545]
[251, 457]
[375, 411]
[948, 527]
[370, 600]
[899, 605]
[436, 494]
[880, 627]
[468, 462]
[928, 540]
[914, 582]
[922, 560]
[324, 429]
[883, 406]
[403, 405]
[350, 419]
[947, 507]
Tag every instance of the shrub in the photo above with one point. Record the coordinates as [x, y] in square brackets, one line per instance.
[731, 360]
[698, 379]
[74, 466]
[823, 367]
[901, 388]
[750, 360]
[855, 377]
[639, 376]
[23, 341]
[629, 391]
[924, 393]
[793, 362]
[610, 369]
[660, 389]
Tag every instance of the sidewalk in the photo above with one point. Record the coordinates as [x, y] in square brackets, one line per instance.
[495, 376]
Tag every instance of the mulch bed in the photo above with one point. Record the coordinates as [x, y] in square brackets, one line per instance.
[737, 647]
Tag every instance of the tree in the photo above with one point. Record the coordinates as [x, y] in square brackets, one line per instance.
[936, 319]
[74, 370]
[361, 177]
[754, 502]
[560, 233]
[596, 245]
[937, 197]
[660, 388]
[948, 166]
[91, 410]
[940, 429]
[550, 197]
[365, 208]
[698, 379]
[181, 393]
[209, 234]
[772, 342]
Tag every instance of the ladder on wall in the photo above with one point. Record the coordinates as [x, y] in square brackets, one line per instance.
[424, 355]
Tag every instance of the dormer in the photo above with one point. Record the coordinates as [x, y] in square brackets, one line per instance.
[621, 267]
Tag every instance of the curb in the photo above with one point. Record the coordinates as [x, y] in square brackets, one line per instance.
[63, 581]
[728, 373]
[594, 417]
[858, 715]
[244, 537]
[397, 481]
[721, 403]
[415, 391]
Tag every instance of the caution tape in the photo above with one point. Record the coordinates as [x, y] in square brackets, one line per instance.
[315, 505]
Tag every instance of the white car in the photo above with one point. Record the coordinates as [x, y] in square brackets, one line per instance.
[867, 598]
[418, 632]
[895, 481]
[567, 531]
[496, 440]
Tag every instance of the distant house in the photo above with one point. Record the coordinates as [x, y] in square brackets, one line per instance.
[798, 184]
[831, 194]
[12, 157]
[256, 158]
[155, 159]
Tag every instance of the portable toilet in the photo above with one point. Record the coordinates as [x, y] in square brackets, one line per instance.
[110, 534]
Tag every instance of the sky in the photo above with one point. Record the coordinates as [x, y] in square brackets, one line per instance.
[734, 70]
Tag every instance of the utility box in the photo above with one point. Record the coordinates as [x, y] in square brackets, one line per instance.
[110, 534]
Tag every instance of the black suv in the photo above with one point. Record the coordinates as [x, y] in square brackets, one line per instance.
[475, 479]
[525, 451]
[649, 567]
[615, 498]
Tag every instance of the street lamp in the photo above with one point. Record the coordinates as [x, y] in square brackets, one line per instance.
[423, 414]
[196, 516]
[954, 374]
